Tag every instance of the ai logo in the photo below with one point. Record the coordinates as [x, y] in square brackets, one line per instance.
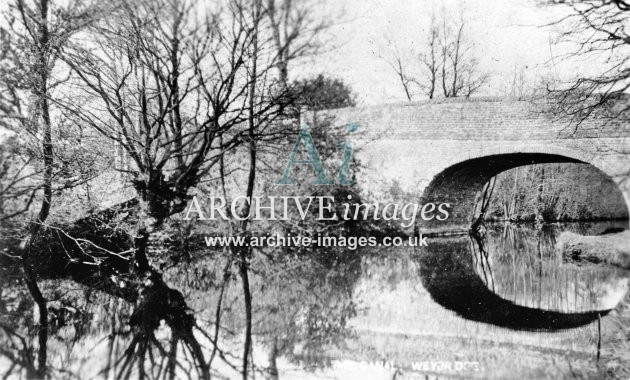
[305, 138]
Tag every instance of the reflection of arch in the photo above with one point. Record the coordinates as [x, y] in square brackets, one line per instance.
[461, 183]
[448, 274]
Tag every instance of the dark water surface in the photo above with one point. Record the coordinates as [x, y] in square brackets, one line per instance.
[504, 305]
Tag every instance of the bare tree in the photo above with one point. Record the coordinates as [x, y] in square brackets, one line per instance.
[296, 30]
[459, 68]
[446, 64]
[33, 32]
[178, 92]
[406, 80]
[170, 88]
[430, 60]
[177, 87]
[519, 86]
[594, 30]
[253, 122]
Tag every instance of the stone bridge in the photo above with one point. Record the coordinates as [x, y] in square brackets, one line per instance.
[445, 151]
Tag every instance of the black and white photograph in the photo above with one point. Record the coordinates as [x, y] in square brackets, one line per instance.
[314, 189]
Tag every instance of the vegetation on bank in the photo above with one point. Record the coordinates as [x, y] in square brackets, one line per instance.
[155, 100]
[555, 193]
[119, 112]
[610, 249]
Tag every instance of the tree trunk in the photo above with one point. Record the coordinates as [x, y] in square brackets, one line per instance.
[244, 252]
[272, 370]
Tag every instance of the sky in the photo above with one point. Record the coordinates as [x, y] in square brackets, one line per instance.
[508, 35]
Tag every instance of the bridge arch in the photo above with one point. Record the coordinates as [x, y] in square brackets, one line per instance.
[461, 183]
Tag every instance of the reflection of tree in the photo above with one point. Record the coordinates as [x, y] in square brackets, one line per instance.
[138, 345]
[522, 265]
[19, 351]
[168, 88]
[449, 274]
[158, 302]
[20, 335]
[96, 251]
[18, 347]
[301, 303]
[480, 260]
[307, 305]
[90, 249]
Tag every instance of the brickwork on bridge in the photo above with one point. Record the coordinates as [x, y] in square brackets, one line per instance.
[446, 150]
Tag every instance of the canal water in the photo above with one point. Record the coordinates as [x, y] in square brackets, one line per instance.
[504, 305]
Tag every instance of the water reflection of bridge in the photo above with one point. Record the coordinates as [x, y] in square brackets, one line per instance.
[523, 266]
[441, 318]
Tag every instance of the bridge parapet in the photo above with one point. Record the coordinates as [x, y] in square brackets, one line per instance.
[415, 144]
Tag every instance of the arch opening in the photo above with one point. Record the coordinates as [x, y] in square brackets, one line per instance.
[465, 187]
